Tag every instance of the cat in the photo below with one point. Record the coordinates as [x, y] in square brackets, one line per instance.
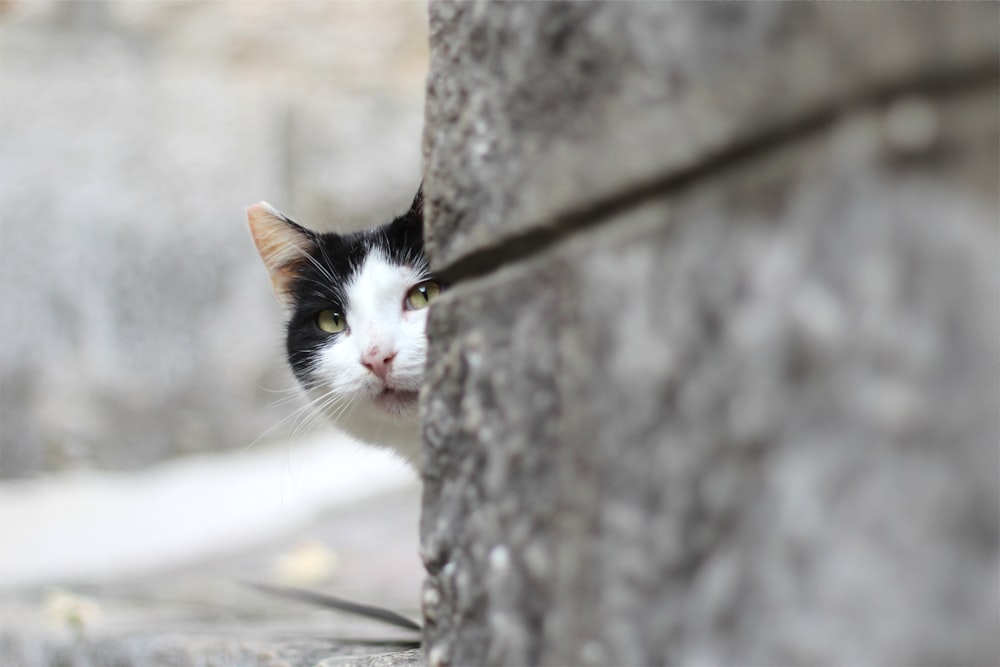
[356, 307]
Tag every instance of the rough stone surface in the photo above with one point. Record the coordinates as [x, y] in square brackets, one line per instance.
[537, 111]
[750, 416]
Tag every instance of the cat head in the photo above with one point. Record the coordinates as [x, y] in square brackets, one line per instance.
[357, 309]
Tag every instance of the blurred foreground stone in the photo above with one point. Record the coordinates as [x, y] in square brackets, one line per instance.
[716, 382]
[201, 614]
[262, 648]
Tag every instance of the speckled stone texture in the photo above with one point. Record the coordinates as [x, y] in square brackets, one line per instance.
[717, 379]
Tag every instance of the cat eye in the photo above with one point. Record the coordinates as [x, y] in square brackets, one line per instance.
[421, 295]
[331, 321]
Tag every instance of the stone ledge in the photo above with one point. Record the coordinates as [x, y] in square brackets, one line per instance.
[198, 651]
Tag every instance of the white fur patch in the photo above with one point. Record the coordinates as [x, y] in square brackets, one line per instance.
[378, 320]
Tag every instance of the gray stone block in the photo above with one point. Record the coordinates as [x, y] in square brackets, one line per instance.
[752, 419]
[539, 113]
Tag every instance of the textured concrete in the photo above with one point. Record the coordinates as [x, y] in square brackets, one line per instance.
[748, 415]
[540, 110]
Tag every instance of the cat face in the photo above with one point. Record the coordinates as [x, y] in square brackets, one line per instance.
[357, 313]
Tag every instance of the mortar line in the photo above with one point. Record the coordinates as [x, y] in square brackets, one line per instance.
[529, 243]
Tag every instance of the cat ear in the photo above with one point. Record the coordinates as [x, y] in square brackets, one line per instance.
[283, 245]
[411, 223]
[417, 207]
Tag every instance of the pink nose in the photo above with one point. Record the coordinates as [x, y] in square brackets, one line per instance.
[378, 361]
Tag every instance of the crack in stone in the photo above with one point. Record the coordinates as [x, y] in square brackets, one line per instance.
[526, 244]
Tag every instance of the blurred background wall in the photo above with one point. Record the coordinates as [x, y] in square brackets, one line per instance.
[136, 322]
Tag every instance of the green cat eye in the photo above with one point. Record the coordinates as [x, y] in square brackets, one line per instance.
[330, 321]
[421, 295]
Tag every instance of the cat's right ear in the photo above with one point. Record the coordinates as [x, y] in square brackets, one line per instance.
[283, 246]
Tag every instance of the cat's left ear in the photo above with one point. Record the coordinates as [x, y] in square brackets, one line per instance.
[411, 223]
[283, 246]
[417, 207]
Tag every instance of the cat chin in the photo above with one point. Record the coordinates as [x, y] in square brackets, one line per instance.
[391, 422]
[398, 403]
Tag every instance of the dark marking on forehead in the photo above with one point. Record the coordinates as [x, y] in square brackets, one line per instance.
[337, 258]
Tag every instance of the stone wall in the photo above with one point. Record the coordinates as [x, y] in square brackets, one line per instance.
[716, 378]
